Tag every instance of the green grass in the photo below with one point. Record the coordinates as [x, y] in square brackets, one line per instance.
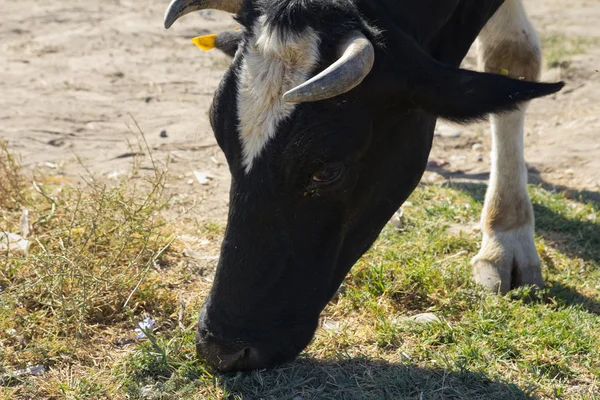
[67, 301]
[527, 344]
[558, 48]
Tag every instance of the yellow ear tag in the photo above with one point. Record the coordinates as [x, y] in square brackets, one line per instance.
[205, 42]
[504, 72]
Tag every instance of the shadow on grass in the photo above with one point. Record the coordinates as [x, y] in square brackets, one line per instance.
[533, 177]
[309, 379]
[568, 296]
[575, 238]
[572, 237]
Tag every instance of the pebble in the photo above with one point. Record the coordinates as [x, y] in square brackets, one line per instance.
[479, 157]
[477, 146]
[425, 318]
[203, 178]
[397, 220]
[437, 163]
[332, 326]
[447, 131]
[433, 177]
[163, 133]
[35, 371]
[116, 174]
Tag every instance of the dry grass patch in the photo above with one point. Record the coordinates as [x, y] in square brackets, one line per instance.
[94, 266]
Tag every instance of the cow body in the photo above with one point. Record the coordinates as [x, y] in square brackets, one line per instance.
[314, 181]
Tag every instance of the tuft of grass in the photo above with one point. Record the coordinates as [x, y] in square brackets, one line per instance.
[11, 181]
[93, 267]
[559, 48]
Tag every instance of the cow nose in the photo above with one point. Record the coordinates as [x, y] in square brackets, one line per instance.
[223, 355]
[226, 362]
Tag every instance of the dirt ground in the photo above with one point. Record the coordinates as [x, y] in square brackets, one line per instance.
[76, 75]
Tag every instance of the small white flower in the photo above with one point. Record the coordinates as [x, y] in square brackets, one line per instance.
[145, 325]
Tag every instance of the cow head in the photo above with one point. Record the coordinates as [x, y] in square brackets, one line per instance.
[326, 122]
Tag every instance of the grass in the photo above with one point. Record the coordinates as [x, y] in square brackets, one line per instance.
[64, 305]
[559, 48]
[92, 268]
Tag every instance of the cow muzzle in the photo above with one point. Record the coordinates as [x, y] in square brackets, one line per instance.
[226, 356]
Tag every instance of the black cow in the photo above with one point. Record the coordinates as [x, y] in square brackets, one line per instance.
[326, 116]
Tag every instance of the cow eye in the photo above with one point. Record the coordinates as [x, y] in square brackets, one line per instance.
[328, 175]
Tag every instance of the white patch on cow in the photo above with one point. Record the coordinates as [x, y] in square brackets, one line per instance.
[507, 217]
[510, 22]
[274, 63]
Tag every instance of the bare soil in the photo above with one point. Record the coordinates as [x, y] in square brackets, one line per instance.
[76, 76]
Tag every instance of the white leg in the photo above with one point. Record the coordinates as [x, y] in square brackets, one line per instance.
[508, 257]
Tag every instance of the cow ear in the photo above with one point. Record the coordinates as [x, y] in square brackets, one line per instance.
[461, 95]
[227, 42]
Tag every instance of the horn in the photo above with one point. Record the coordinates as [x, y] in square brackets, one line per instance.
[355, 63]
[178, 8]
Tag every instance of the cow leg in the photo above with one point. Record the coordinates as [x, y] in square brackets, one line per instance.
[508, 257]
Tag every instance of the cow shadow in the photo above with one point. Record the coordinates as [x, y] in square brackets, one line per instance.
[575, 238]
[572, 237]
[565, 295]
[534, 177]
[309, 379]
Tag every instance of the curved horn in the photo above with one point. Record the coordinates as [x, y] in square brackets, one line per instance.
[355, 63]
[178, 8]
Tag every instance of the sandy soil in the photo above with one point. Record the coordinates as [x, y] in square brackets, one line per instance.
[76, 75]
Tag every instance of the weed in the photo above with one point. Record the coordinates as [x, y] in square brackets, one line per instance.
[11, 181]
[92, 266]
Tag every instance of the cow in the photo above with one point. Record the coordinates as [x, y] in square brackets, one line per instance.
[326, 116]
